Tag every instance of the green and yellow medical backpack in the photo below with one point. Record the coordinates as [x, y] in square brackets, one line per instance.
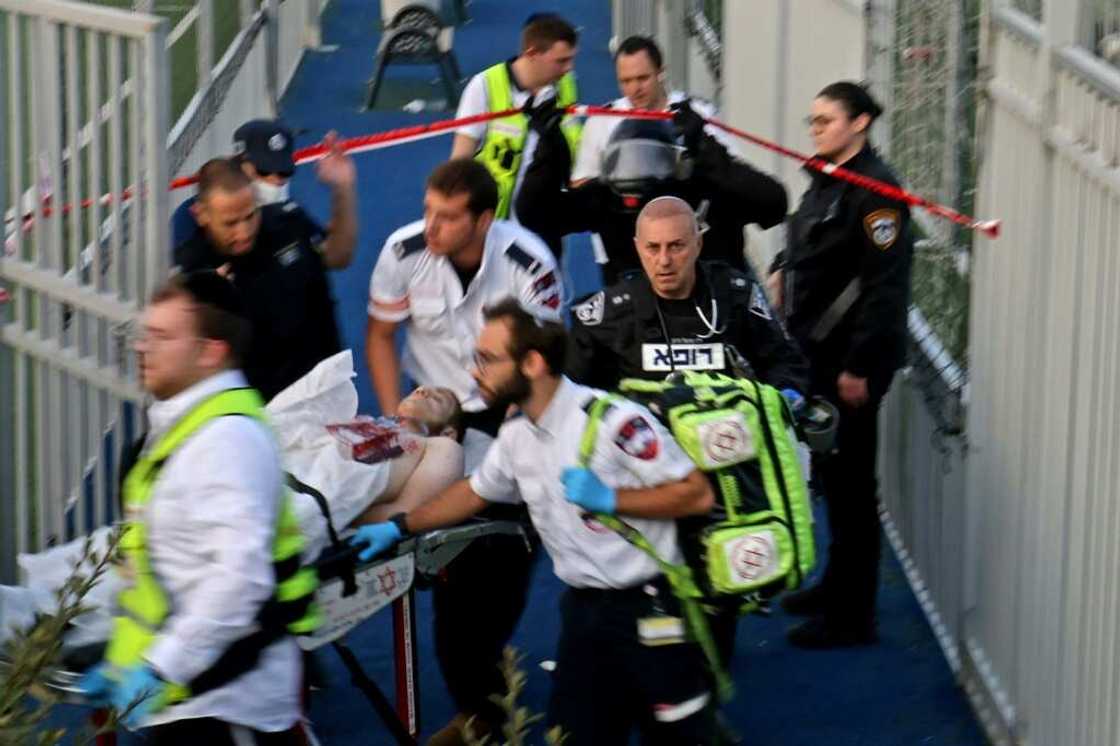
[759, 539]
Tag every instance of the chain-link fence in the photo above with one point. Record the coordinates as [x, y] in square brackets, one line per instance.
[927, 52]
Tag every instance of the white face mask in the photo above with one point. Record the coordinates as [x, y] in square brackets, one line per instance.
[266, 194]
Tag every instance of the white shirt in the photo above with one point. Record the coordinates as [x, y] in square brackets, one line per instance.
[632, 451]
[211, 521]
[474, 101]
[411, 283]
[598, 130]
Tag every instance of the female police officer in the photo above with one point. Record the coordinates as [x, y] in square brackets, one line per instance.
[843, 284]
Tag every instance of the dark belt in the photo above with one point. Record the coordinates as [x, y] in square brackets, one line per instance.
[638, 589]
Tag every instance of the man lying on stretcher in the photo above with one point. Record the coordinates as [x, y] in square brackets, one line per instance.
[356, 492]
[366, 469]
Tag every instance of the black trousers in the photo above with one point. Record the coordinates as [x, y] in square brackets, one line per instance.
[850, 483]
[211, 732]
[609, 681]
[724, 624]
[477, 604]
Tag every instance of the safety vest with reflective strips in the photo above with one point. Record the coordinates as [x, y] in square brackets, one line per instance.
[505, 138]
[142, 606]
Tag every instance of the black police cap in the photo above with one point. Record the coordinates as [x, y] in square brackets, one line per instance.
[267, 144]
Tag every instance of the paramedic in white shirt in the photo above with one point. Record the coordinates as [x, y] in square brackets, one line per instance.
[434, 277]
[641, 80]
[210, 523]
[613, 673]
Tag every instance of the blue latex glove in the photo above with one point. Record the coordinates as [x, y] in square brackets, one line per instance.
[97, 686]
[586, 490]
[142, 690]
[379, 537]
[795, 400]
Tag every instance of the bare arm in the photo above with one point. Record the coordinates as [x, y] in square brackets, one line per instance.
[337, 171]
[384, 365]
[342, 231]
[463, 146]
[454, 505]
[690, 496]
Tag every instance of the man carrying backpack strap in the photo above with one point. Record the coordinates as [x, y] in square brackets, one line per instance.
[680, 315]
[624, 659]
[201, 649]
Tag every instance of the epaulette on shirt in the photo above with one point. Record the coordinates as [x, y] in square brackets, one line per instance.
[590, 310]
[411, 245]
[522, 258]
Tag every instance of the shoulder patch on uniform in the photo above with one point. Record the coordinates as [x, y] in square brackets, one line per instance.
[882, 227]
[590, 312]
[522, 258]
[290, 206]
[759, 305]
[411, 245]
[637, 438]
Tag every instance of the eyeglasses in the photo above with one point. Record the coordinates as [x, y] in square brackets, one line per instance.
[134, 335]
[483, 359]
[158, 339]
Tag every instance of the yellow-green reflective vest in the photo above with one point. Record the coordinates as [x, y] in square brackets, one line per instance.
[505, 137]
[142, 606]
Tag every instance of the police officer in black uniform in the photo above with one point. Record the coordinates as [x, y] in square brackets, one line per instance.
[643, 160]
[272, 256]
[680, 314]
[843, 285]
[265, 151]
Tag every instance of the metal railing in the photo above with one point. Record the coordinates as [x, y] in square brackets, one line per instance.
[86, 90]
[1044, 609]
[247, 81]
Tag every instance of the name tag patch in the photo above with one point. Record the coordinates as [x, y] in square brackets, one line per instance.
[684, 356]
[661, 630]
[288, 255]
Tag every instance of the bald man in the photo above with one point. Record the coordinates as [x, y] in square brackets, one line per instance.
[682, 314]
[679, 314]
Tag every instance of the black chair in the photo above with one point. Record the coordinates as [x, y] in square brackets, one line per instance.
[417, 36]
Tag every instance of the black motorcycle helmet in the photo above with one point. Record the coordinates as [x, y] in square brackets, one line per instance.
[641, 156]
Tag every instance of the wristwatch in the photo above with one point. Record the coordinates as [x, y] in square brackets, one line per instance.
[398, 519]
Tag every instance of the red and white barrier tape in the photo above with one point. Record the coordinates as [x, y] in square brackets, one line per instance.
[402, 135]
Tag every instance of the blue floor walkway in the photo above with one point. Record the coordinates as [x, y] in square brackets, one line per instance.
[898, 692]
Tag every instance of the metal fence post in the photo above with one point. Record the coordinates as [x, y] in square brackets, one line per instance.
[248, 8]
[205, 27]
[313, 32]
[670, 24]
[7, 382]
[272, 53]
[157, 119]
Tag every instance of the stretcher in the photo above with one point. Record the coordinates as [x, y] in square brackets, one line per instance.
[351, 592]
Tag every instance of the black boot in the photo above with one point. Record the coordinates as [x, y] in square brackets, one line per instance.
[820, 633]
[805, 602]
